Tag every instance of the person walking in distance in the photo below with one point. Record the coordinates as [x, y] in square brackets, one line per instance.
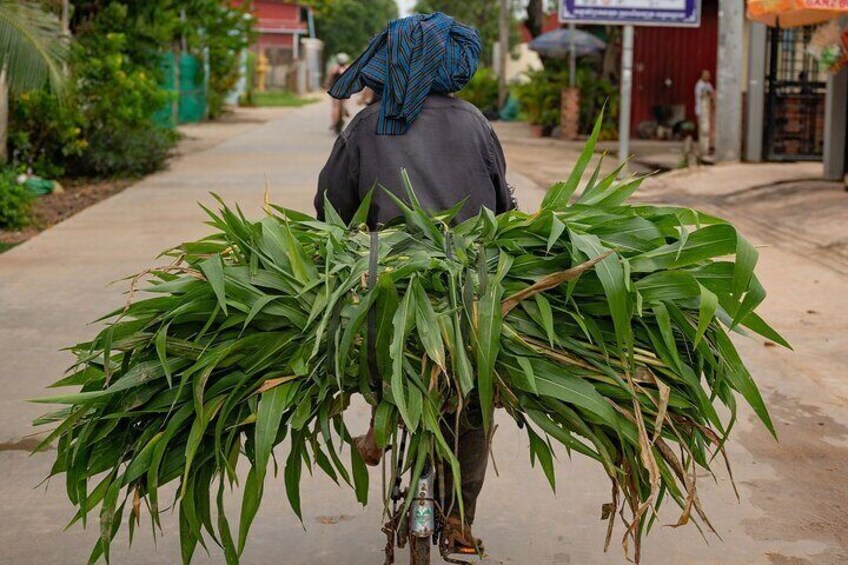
[451, 154]
[704, 96]
[338, 112]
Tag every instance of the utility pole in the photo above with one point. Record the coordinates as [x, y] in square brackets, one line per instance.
[66, 18]
[503, 51]
[4, 116]
[626, 93]
[572, 56]
[731, 26]
[755, 102]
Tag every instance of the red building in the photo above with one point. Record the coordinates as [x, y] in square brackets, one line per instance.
[280, 26]
[667, 62]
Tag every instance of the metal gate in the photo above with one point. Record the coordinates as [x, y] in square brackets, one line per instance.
[795, 98]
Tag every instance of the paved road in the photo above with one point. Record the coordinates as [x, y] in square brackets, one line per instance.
[53, 285]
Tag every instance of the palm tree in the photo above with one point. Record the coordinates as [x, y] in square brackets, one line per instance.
[33, 51]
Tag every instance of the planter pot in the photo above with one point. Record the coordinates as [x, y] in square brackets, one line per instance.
[536, 130]
[570, 113]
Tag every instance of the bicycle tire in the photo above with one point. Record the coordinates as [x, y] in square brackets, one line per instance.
[419, 550]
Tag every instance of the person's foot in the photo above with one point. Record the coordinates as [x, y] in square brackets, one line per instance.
[367, 448]
[460, 539]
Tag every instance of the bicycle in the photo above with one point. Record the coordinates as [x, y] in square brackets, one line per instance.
[342, 113]
[422, 524]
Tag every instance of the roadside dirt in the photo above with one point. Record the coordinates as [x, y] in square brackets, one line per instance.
[53, 208]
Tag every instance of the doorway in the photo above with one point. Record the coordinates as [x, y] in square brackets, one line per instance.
[795, 98]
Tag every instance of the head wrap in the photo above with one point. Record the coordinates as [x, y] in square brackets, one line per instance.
[411, 58]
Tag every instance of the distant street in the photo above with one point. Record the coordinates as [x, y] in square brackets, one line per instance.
[791, 509]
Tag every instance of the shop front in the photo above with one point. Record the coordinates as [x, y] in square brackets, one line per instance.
[800, 93]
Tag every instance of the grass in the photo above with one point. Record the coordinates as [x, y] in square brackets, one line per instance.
[6, 246]
[281, 99]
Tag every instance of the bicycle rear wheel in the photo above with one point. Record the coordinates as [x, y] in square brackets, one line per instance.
[419, 550]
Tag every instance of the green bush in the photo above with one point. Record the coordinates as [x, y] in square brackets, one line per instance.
[227, 32]
[45, 134]
[118, 99]
[104, 126]
[482, 91]
[540, 97]
[597, 93]
[15, 202]
[130, 153]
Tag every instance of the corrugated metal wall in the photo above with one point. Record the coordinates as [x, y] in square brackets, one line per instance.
[676, 54]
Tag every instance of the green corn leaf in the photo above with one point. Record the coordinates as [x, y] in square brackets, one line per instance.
[488, 346]
[360, 476]
[706, 313]
[251, 499]
[558, 195]
[294, 468]
[361, 215]
[385, 423]
[572, 390]
[427, 326]
[611, 273]
[272, 405]
[546, 317]
[701, 245]
[541, 450]
[741, 380]
[213, 269]
[401, 320]
[330, 215]
[557, 229]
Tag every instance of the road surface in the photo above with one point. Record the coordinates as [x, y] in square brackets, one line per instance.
[793, 500]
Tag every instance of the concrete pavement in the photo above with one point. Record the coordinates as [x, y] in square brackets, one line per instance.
[792, 510]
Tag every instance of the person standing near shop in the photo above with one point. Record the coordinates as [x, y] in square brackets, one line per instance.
[704, 96]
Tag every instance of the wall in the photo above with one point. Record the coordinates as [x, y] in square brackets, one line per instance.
[276, 14]
[270, 10]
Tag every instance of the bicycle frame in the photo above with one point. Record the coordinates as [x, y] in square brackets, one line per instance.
[424, 518]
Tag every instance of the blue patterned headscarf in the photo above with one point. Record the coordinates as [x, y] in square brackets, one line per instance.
[411, 58]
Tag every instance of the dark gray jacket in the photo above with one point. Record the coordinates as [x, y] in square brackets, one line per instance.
[451, 152]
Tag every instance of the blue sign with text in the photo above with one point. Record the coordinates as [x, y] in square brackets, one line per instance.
[678, 13]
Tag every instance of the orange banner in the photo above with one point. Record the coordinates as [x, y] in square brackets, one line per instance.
[794, 13]
[838, 5]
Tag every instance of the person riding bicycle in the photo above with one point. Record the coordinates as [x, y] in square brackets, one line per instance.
[451, 154]
[338, 112]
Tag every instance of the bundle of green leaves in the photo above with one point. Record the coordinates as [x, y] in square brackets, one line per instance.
[599, 325]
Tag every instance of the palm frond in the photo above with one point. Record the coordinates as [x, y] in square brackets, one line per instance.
[32, 47]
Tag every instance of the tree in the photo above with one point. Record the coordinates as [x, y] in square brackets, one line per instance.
[481, 14]
[348, 25]
[535, 19]
[32, 53]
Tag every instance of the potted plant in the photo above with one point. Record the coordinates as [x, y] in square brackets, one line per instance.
[540, 100]
[482, 91]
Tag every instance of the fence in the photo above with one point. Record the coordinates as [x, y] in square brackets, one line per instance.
[185, 82]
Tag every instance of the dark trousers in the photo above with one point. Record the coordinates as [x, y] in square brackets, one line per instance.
[473, 455]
